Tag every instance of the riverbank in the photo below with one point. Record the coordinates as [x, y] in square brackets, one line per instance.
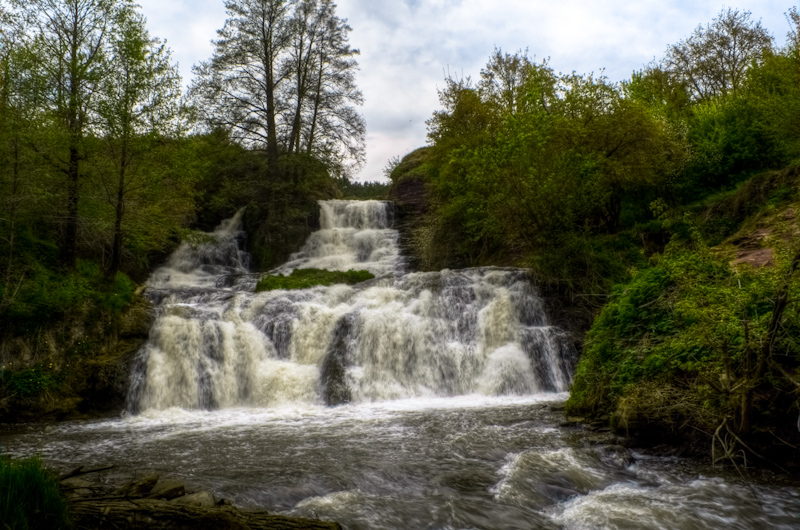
[76, 366]
[470, 461]
[149, 501]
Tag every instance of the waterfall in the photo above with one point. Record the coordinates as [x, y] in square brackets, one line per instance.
[217, 344]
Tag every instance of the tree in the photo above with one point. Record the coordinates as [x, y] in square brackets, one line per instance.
[281, 78]
[237, 87]
[139, 104]
[69, 37]
[17, 113]
[335, 131]
[713, 61]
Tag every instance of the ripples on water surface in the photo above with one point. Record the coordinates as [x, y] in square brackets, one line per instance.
[448, 423]
[445, 463]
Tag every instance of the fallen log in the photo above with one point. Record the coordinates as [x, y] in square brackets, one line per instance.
[150, 514]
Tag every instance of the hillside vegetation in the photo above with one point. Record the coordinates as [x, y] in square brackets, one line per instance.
[664, 205]
[106, 167]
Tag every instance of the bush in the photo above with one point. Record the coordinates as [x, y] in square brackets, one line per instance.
[46, 294]
[305, 278]
[29, 496]
[29, 383]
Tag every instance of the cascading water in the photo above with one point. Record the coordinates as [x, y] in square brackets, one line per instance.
[476, 331]
[450, 378]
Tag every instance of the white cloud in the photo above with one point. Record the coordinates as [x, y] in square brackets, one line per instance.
[406, 46]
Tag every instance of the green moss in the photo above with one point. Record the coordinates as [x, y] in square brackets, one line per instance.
[30, 497]
[413, 165]
[305, 278]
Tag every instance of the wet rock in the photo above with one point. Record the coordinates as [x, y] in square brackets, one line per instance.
[201, 499]
[167, 489]
[75, 483]
[136, 321]
[616, 456]
[139, 486]
[221, 521]
[77, 487]
[334, 386]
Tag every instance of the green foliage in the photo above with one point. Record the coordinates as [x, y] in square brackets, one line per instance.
[45, 294]
[531, 167]
[693, 328]
[29, 383]
[362, 190]
[30, 497]
[305, 278]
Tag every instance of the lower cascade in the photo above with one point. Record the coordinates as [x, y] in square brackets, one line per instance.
[450, 384]
[217, 344]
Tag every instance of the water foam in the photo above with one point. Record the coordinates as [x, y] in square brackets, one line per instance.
[400, 336]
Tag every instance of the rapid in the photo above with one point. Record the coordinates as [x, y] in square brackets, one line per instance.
[413, 400]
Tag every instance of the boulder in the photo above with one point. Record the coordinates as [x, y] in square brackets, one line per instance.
[167, 489]
[139, 486]
[78, 487]
[201, 499]
[75, 483]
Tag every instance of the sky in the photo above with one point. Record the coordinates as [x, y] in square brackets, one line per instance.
[409, 46]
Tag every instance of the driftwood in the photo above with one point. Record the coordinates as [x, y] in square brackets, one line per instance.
[83, 470]
[149, 514]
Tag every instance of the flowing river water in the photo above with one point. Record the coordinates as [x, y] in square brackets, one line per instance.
[411, 401]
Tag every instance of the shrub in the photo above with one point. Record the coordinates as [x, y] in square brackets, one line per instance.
[29, 383]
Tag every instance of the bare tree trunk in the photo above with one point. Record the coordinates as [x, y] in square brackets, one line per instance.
[756, 373]
[69, 242]
[154, 514]
[119, 207]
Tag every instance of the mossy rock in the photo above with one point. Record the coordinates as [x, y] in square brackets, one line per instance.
[307, 278]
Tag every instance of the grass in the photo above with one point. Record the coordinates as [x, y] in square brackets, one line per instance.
[306, 278]
[29, 497]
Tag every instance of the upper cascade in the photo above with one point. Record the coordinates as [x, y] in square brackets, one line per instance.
[202, 264]
[402, 335]
[353, 235]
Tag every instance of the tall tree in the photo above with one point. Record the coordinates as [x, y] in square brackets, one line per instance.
[18, 108]
[237, 88]
[282, 78]
[70, 36]
[713, 61]
[335, 131]
[139, 103]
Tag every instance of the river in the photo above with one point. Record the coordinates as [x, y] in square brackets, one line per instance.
[447, 389]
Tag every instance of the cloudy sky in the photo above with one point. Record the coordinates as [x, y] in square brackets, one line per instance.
[407, 46]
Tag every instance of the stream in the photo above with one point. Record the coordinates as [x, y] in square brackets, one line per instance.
[411, 401]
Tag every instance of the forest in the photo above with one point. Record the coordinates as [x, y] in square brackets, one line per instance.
[106, 165]
[661, 209]
[657, 216]
[664, 206]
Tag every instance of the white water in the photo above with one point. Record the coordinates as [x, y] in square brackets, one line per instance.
[353, 235]
[476, 331]
[450, 378]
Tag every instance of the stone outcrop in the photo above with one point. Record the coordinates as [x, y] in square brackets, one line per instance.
[86, 356]
[142, 504]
